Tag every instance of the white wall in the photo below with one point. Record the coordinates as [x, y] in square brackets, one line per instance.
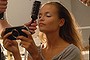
[18, 11]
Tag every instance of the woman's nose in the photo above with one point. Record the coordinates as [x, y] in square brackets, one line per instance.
[41, 18]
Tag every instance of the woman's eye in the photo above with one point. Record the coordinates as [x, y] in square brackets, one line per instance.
[48, 15]
[39, 17]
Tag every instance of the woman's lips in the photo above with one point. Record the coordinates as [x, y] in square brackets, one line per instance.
[41, 24]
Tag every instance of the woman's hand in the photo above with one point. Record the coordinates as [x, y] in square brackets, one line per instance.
[11, 45]
[29, 45]
[27, 42]
[3, 5]
[32, 26]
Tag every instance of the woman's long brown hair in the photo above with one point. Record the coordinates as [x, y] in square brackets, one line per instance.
[69, 31]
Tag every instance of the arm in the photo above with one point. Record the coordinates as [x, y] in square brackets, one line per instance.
[3, 22]
[17, 56]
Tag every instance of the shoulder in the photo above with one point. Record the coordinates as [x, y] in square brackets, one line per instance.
[71, 49]
[71, 52]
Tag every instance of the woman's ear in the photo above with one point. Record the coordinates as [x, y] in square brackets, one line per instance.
[61, 22]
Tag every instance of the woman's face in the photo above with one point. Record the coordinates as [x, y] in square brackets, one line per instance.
[48, 19]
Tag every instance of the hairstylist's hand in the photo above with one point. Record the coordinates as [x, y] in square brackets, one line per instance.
[32, 26]
[3, 5]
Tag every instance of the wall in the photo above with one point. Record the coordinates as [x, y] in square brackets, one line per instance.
[82, 16]
[18, 11]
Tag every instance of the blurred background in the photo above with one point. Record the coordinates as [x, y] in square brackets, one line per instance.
[19, 12]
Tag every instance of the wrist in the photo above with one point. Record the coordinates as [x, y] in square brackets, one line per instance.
[16, 51]
[17, 55]
[36, 56]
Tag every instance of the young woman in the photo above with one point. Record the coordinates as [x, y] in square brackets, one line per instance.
[63, 40]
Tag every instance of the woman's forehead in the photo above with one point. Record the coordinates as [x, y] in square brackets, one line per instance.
[48, 7]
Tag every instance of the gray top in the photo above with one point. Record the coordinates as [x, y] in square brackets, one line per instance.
[71, 52]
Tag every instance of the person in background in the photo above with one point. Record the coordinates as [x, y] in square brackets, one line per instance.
[3, 5]
[3, 24]
[63, 39]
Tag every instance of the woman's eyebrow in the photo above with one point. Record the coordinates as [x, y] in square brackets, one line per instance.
[45, 13]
